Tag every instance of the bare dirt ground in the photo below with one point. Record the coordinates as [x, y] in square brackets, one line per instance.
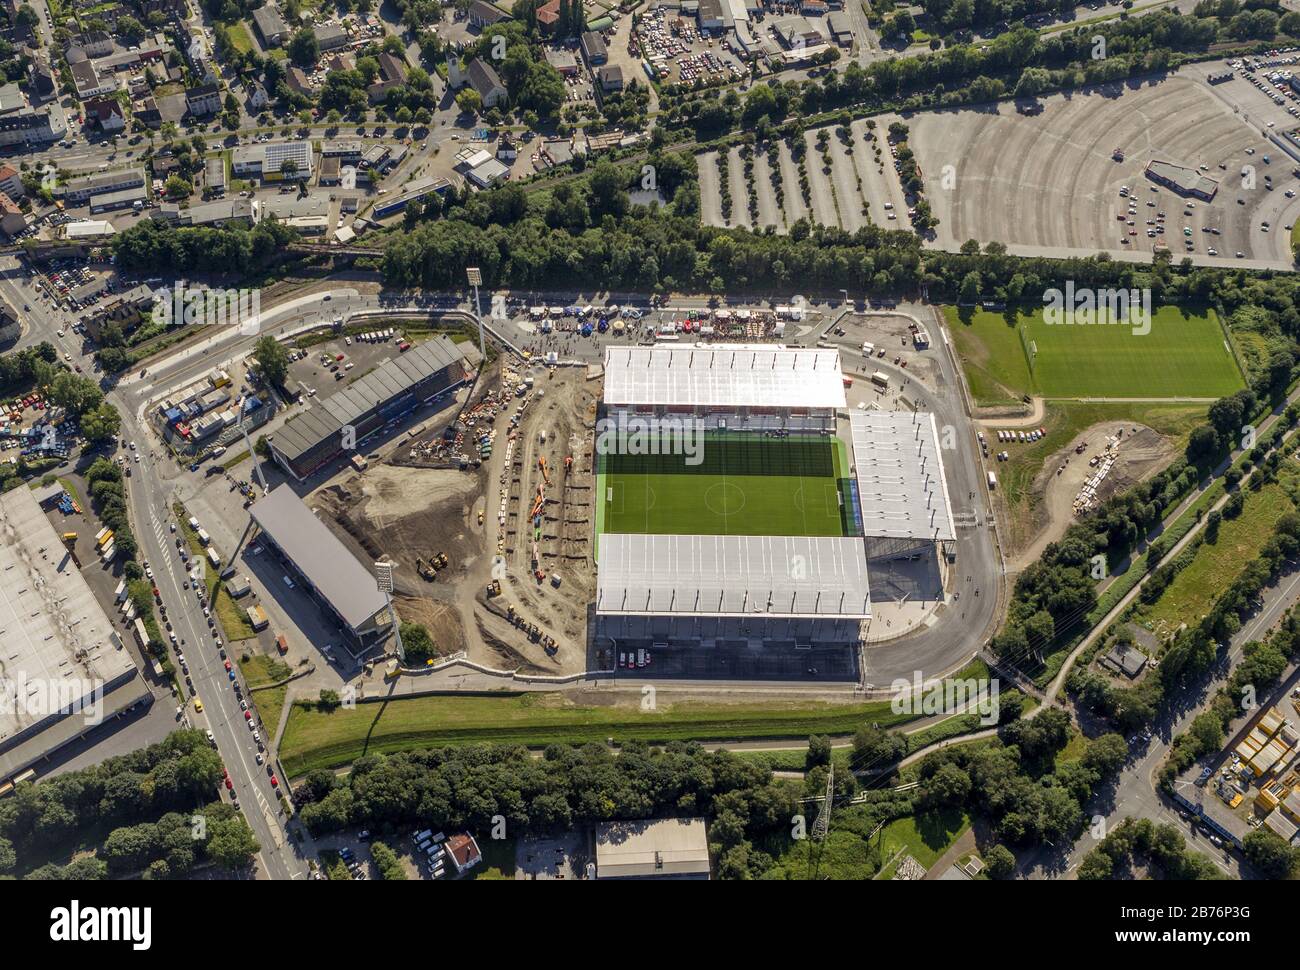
[1142, 452]
[412, 507]
[1013, 417]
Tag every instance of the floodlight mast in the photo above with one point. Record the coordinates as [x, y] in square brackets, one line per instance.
[475, 276]
[384, 580]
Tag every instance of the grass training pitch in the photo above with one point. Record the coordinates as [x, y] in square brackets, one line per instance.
[1185, 355]
[743, 485]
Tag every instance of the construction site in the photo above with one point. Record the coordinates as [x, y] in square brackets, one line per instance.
[487, 513]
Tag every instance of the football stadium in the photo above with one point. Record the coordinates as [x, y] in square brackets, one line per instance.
[741, 503]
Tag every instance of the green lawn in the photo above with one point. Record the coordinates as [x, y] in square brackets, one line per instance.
[239, 37]
[259, 671]
[1183, 355]
[854, 850]
[743, 485]
[1215, 565]
[315, 739]
[924, 837]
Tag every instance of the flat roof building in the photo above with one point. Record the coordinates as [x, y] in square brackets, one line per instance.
[311, 439]
[65, 670]
[1184, 181]
[268, 159]
[325, 566]
[902, 488]
[669, 848]
[724, 376]
[732, 576]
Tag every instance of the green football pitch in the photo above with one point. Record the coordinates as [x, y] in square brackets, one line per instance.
[744, 485]
[1185, 354]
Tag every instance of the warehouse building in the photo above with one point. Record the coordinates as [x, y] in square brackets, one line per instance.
[324, 566]
[65, 670]
[383, 397]
[668, 848]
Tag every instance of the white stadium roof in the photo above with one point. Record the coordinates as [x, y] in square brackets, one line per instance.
[696, 575]
[723, 375]
[902, 490]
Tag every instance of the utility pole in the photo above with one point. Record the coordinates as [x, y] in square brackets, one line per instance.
[384, 580]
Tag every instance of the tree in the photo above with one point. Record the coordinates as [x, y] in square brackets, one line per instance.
[101, 423]
[1096, 865]
[303, 48]
[819, 751]
[273, 359]
[231, 843]
[468, 101]
[417, 642]
[1001, 862]
[1270, 854]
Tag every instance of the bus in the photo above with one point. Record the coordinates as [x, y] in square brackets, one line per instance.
[214, 558]
[880, 379]
[106, 539]
[993, 481]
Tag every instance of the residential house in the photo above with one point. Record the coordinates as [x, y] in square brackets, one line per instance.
[11, 181]
[298, 83]
[257, 99]
[96, 43]
[548, 15]
[610, 77]
[106, 113]
[392, 74]
[12, 220]
[203, 100]
[463, 852]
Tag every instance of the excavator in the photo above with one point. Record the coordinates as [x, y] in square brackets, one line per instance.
[425, 570]
[546, 475]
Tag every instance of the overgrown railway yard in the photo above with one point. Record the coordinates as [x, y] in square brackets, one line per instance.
[1052, 182]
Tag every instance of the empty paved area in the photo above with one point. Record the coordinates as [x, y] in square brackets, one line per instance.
[1050, 180]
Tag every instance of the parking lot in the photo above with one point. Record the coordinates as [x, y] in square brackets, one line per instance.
[857, 188]
[680, 54]
[748, 661]
[324, 367]
[1054, 180]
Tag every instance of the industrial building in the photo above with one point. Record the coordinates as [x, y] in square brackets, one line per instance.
[65, 670]
[668, 848]
[415, 191]
[380, 399]
[325, 567]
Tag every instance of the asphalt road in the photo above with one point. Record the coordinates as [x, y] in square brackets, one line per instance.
[1134, 794]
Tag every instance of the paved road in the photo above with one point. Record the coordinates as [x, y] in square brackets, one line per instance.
[1134, 794]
